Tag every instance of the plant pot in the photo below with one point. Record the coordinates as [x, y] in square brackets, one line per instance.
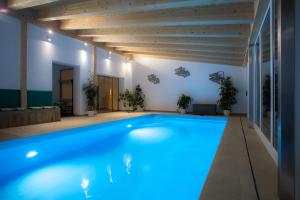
[139, 109]
[182, 111]
[226, 112]
[91, 113]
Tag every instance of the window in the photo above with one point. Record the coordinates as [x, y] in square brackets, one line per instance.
[266, 78]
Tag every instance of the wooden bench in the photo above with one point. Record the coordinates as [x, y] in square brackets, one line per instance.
[28, 116]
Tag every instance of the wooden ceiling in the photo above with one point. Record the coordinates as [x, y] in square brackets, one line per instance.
[214, 31]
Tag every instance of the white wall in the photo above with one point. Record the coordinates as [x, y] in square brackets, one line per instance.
[62, 50]
[71, 52]
[42, 54]
[164, 96]
[9, 52]
[115, 67]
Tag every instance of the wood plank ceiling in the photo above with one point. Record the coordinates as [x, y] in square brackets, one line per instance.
[213, 31]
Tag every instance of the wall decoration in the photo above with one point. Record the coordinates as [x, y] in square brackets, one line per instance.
[181, 71]
[153, 79]
[217, 77]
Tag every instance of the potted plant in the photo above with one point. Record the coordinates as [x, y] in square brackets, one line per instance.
[133, 100]
[90, 90]
[126, 99]
[227, 96]
[183, 103]
[139, 98]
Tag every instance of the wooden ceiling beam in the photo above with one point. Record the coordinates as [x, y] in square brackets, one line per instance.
[101, 7]
[231, 57]
[188, 58]
[232, 31]
[21, 4]
[238, 13]
[200, 48]
[238, 42]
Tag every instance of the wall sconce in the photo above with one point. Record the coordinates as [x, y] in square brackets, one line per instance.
[109, 55]
[128, 61]
[49, 35]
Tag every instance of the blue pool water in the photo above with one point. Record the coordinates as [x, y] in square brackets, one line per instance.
[154, 157]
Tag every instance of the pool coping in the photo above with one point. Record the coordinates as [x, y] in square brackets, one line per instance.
[236, 176]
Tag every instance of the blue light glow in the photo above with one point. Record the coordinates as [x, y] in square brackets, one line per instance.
[138, 158]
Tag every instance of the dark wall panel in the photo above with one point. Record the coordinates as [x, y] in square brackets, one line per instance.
[39, 98]
[297, 100]
[286, 151]
[9, 98]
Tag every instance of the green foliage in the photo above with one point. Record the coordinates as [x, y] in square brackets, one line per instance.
[184, 101]
[227, 94]
[90, 90]
[139, 96]
[133, 99]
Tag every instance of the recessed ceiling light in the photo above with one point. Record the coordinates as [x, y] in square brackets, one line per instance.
[50, 31]
[85, 44]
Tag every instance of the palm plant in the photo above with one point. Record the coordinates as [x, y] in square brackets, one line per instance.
[90, 90]
[184, 102]
[227, 95]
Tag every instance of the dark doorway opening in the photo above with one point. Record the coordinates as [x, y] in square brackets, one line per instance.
[66, 92]
[63, 88]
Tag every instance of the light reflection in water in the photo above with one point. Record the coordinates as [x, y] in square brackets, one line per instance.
[127, 161]
[108, 169]
[84, 185]
[151, 134]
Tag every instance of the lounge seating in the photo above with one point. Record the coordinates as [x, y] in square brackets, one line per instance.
[204, 109]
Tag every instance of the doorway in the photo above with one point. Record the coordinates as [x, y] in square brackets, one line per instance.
[66, 91]
[108, 97]
[63, 88]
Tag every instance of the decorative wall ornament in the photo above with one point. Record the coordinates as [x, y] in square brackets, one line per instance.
[181, 71]
[217, 77]
[153, 79]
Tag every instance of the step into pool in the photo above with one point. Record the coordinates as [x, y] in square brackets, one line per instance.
[153, 157]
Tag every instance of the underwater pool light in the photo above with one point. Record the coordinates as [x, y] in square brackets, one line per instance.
[31, 154]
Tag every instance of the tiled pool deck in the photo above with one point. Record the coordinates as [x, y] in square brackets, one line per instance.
[230, 177]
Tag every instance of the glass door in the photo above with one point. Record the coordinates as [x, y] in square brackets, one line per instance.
[108, 93]
[266, 78]
[257, 95]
